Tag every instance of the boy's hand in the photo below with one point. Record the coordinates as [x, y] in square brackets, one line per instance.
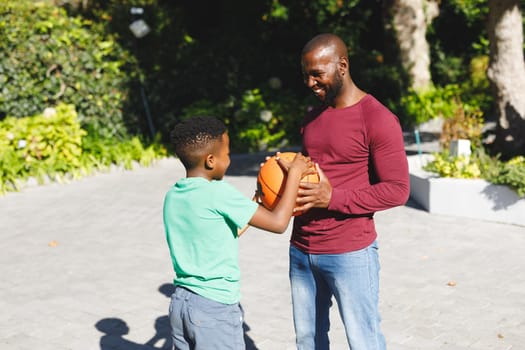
[301, 162]
[304, 164]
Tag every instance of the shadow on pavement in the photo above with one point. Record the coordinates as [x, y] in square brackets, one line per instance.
[413, 204]
[115, 329]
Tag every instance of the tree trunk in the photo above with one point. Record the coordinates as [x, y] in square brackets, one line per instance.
[507, 74]
[410, 21]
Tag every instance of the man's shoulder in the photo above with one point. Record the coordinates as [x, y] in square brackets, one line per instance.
[376, 112]
[369, 102]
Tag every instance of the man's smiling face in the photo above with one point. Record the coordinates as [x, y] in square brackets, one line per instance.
[321, 75]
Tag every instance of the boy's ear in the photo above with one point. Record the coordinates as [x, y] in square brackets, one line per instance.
[209, 162]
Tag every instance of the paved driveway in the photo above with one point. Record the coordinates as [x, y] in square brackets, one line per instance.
[84, 265]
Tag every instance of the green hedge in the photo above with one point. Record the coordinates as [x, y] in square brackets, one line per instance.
[53, 146]
[49, 58]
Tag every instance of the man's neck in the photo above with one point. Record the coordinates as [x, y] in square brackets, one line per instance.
[349, 95]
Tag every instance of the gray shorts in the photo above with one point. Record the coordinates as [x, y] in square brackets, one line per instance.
[199, 323]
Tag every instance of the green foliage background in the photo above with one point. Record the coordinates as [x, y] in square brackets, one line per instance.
[53, 146]
[218, 55]
[235, 59]
[50, 58]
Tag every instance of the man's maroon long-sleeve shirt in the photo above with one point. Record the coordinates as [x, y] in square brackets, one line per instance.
[360, 149]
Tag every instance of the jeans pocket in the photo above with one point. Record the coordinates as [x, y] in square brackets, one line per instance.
[217, 315]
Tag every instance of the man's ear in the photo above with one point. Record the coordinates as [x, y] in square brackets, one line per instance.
[343, 64]
[209, 162]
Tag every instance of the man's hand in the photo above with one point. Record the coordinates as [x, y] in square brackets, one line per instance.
[311, 195]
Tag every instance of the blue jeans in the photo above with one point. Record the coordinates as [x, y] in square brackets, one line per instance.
[353, 279]
[199, 323]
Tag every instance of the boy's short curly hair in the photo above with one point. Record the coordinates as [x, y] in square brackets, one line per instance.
[193, 137]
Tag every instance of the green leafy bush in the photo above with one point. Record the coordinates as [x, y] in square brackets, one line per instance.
[43, 145]
[463, 125]
[254, 123]
[446, 165]
[53, 146]
[510, 173]
[421, 106]
[256, 126]
[101, 153]
[468, 101]
[50, 58]
[481, 165]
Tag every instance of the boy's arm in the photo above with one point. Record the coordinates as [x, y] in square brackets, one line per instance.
[256, 198]
[240, 231]
[277, 220]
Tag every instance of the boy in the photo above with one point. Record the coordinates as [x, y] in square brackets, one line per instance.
[203, 217]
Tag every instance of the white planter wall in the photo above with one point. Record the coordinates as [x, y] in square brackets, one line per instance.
[471, 198]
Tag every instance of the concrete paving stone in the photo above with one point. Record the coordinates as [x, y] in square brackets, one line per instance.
[419, 340]
[502, 339]
[20, 341]
[394, 346]
[397, 332]
[268, 344]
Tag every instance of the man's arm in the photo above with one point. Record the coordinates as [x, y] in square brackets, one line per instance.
[389, 162]
[388, 157]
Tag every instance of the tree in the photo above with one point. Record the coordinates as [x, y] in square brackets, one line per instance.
[507, 73]
[410, 20]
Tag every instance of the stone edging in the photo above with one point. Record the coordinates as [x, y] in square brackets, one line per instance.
[470, 198]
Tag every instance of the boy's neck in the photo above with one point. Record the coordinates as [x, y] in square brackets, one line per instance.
[198, 173]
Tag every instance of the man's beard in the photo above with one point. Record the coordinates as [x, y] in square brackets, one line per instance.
[333, 91]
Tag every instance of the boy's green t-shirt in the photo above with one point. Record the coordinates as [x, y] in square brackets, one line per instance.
[201, 219]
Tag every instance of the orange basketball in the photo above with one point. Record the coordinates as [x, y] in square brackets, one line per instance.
[272, 178]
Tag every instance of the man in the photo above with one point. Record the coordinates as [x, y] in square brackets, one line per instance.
[358, 147]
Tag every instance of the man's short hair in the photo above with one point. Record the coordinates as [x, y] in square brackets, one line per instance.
[326, 40]
[193, 137]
